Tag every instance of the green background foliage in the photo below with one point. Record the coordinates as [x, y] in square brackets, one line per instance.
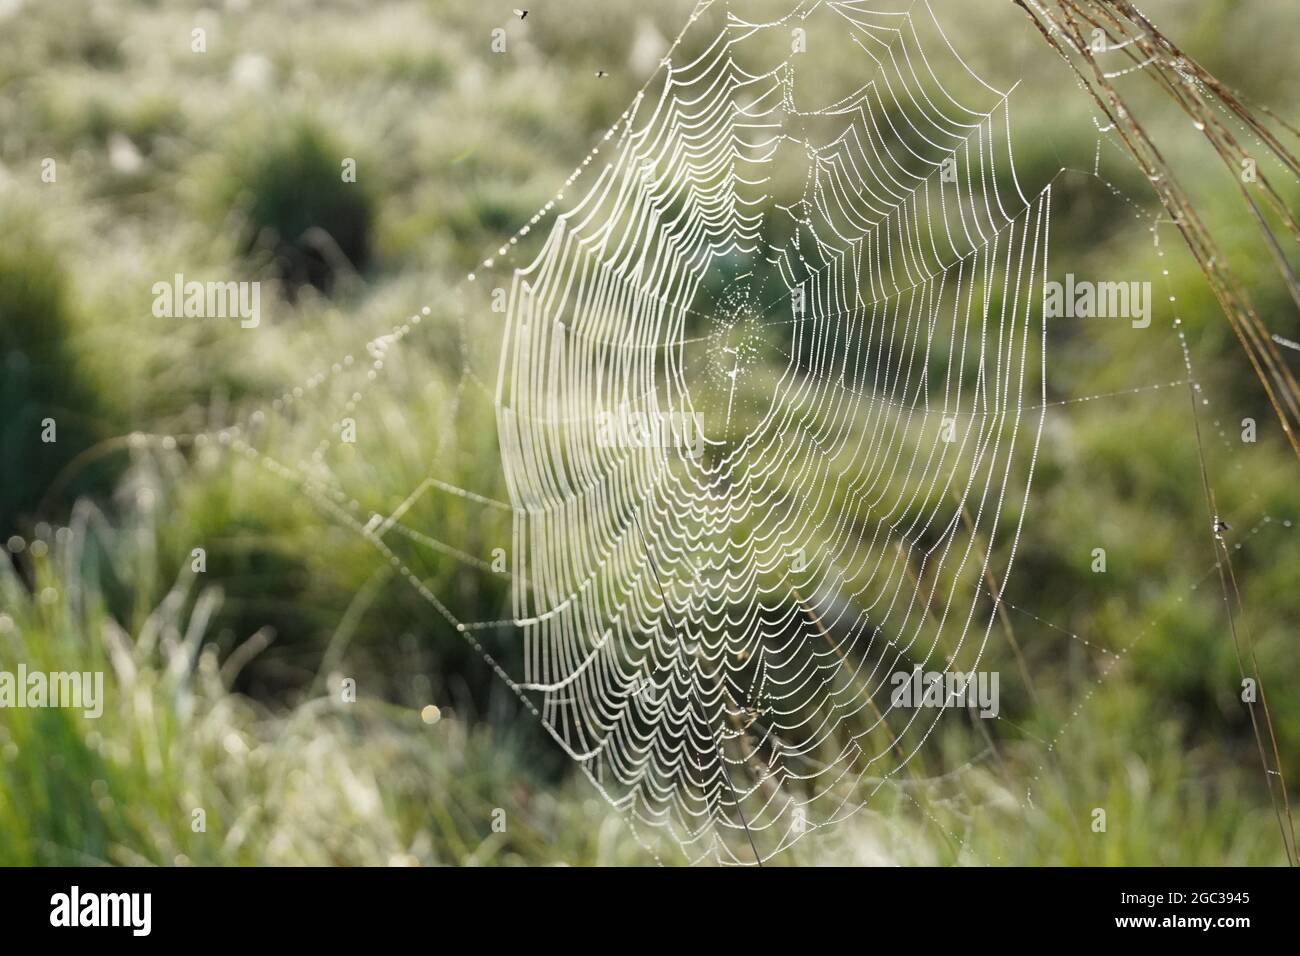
[222, 686]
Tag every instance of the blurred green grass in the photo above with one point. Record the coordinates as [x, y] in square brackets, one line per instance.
[221, 164]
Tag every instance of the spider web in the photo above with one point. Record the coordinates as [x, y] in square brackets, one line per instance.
[758, 398]
[759, 391]
[768, 400]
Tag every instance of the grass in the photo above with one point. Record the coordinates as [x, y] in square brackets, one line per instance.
[325, 782]
[370, 783]
[223, 686]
